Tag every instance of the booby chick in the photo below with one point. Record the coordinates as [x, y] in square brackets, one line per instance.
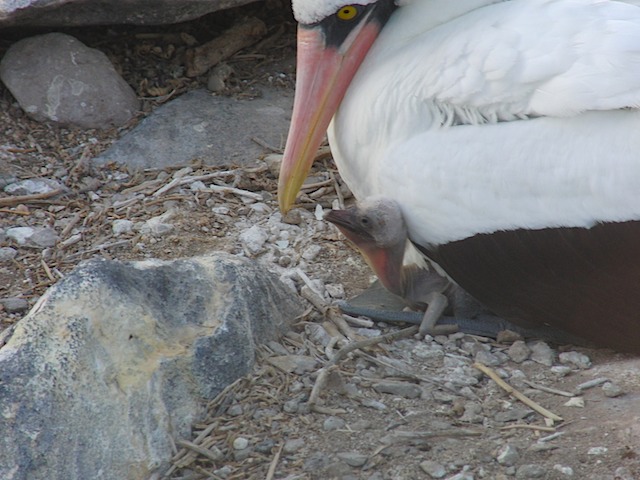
[377, 228]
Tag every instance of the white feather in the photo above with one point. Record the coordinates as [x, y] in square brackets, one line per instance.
[479, 116]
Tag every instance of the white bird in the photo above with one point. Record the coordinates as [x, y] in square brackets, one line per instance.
[509, 133]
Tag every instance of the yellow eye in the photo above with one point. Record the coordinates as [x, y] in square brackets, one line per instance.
[348, 12]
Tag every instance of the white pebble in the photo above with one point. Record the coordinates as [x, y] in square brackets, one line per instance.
[577, 402]
[254, 239]
[120, 227]
[568, 471]
[597, 450]
[240, 443]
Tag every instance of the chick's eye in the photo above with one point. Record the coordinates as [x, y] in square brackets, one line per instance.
[348, 12]
[364, 221]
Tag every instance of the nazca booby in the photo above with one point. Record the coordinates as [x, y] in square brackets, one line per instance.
[506, 130]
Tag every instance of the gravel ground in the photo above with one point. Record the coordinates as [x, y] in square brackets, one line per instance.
[401, 409]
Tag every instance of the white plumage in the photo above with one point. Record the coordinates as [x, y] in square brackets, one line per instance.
[479, 116]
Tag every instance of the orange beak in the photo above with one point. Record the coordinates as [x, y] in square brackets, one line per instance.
[323, 76]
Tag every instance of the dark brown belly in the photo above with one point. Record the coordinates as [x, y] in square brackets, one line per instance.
[585, 281]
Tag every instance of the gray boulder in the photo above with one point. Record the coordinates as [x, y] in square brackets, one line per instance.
[107, 12]
[57, 78]
[119, 357]
[218, 130]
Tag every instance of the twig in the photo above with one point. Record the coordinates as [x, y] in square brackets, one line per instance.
[202, 58]
[553, 436]
[530, 427]
[542, 388]
[336, 186]
[592, 383]
[274, 463]
[9, 201]
[205, 452]
[344, 351]
[264, 144]
[519, 395]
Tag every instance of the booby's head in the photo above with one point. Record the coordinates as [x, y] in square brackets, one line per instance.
[334, 37]
[377, 228]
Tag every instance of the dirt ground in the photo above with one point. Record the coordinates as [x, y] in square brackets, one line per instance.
[354, 430]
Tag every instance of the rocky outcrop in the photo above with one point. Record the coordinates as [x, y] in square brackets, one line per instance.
[118, 358]
[106, 12]
[57, 78]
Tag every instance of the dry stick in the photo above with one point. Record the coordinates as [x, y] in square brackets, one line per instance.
[519, 395]
[542, 388]
[274, 463]
[205, 452]
[336, 186]
[202, 58]
[344, 351]
[9, 201]
[530, 427]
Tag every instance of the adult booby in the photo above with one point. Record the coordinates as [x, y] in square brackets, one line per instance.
[506, 130]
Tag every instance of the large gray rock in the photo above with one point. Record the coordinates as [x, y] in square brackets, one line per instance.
[218, 130]
[106, 12]
[119, 357]
[56, 77]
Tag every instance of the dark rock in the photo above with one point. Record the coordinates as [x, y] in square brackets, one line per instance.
[101, 12]
[218, 130]
[119, 357]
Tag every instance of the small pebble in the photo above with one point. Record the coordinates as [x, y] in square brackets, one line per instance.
[433, 469]
[253, 239]
[20, 235]
[518, 351]
[32, 186]
[561, 370]
[293, 445]
[541, 353]
[612, 390]
[121, 227]
[223, 472]
[530, 471]
[7, 254]
[311, 252]
[293, 363]
[487, 358]
[333, 423]
[265, 446]
[335, 290]
[14, 304]
[472, 413]
[401, 389]
[353, 459]
[597, 451]
[623, 473]
[462, 476]
[508, 455]
[235, 410]
[240, 443]
[576, 359]
[376, 405]
[568, 471]
[158, 226]
[44, 237]
[577, 402]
